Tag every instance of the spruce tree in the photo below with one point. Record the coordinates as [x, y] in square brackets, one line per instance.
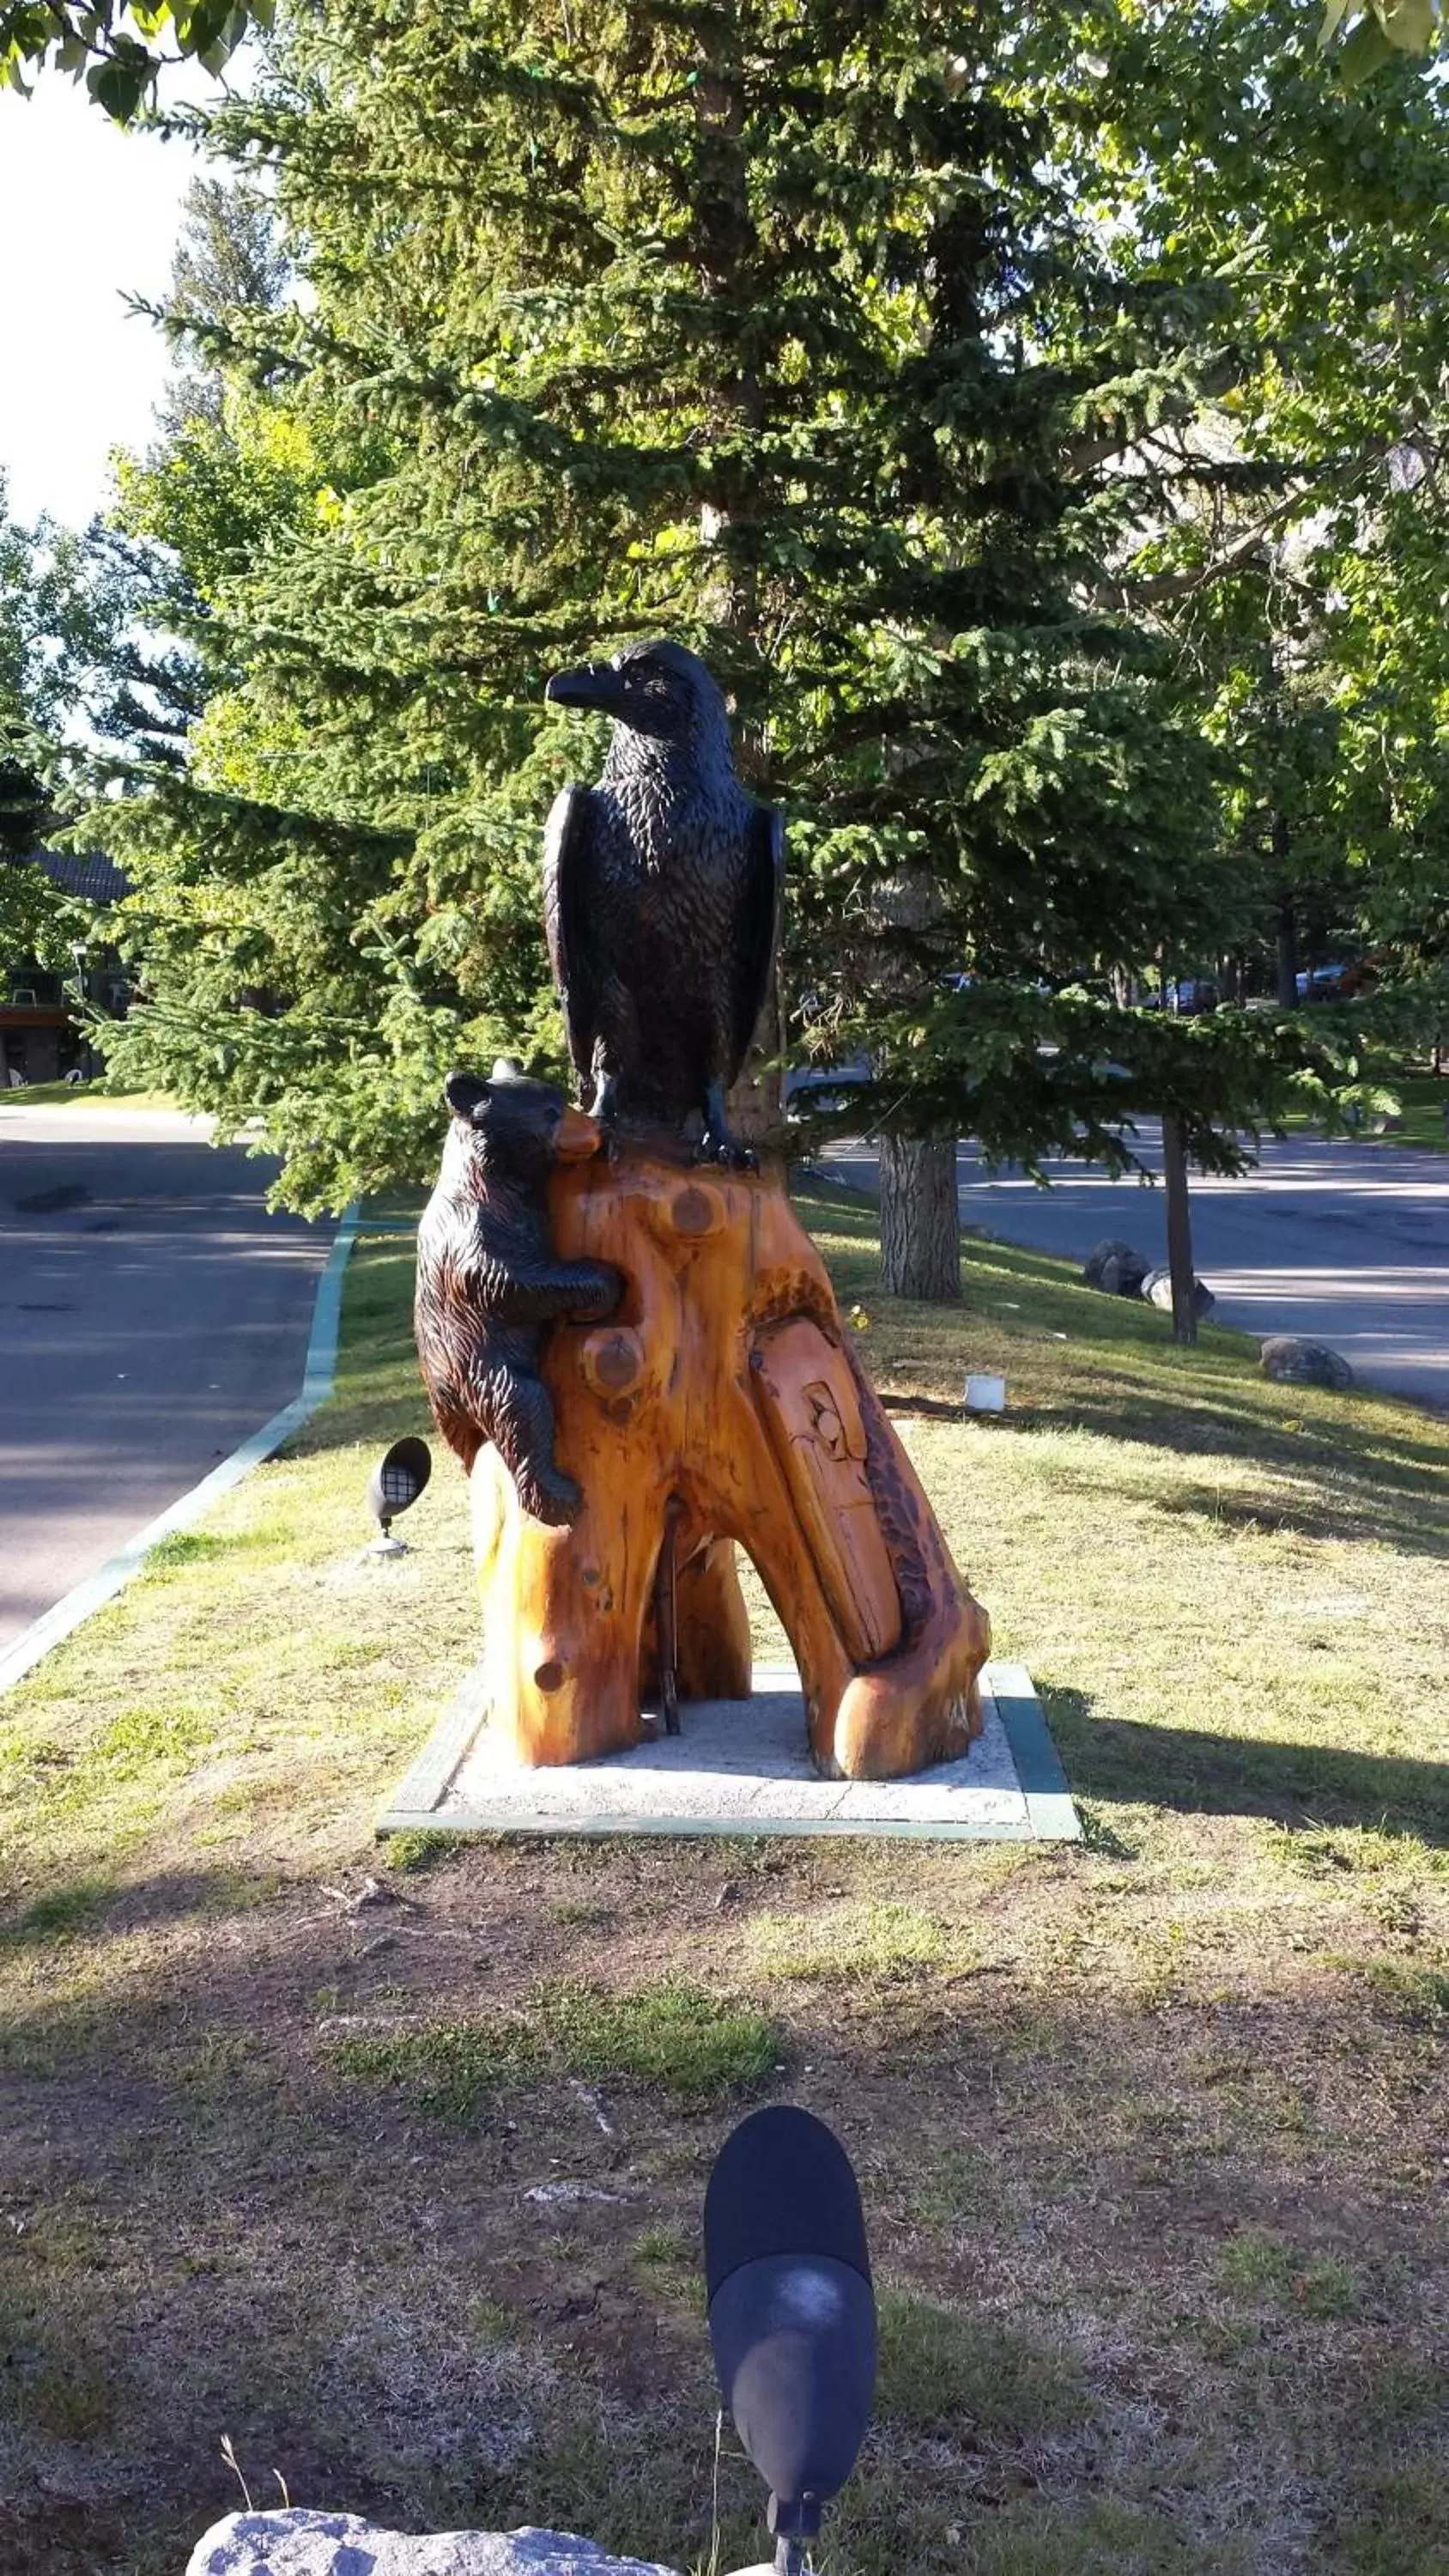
[227, 262]
[784, 328]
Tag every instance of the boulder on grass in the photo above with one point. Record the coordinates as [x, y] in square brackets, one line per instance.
[302, 2543]
[1116, 1268]
[1157, 1289]
[1295, 1363]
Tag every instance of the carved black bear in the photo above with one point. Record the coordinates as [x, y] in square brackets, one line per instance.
[488, 1279]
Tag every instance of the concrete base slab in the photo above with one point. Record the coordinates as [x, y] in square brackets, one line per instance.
[742, 1767]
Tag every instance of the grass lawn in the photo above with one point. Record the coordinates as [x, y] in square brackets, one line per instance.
[1423, 1098]
[393, 2176]
[94, 1095]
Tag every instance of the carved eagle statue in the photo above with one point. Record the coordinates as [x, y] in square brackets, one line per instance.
[661, 891]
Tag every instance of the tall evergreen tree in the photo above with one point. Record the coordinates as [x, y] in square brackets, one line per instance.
[121, 47]
[228, 262]
[795, 329]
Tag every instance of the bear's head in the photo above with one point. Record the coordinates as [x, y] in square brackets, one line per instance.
[517, 1128]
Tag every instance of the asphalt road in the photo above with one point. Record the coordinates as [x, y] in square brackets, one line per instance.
[152, 1315]
[1346, 1243]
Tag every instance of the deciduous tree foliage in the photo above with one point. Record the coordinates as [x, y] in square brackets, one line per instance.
[120, 46]
[849, 344]
[60, 624]
[1297, 550]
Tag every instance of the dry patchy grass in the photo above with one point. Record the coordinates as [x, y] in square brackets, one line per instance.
[394, 2175]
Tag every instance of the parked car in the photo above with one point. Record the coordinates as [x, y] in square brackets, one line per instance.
[1320, 983]
[823, 1086]
[1189, 995]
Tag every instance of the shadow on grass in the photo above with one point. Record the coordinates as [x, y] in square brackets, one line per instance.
[92, 1905]
[1200, 1773]
[1334, 1478]
[1361, 1496]
[406, 2327]
[1339, 1484]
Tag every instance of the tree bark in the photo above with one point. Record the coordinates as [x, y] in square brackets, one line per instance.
[1287, 923]
[1179, 1234]
[920, 1219]
[756, 1105]
[727, 242]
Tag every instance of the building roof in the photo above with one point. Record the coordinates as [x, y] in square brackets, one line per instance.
[89, 874]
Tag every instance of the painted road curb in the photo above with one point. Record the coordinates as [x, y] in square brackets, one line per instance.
[318, 1379]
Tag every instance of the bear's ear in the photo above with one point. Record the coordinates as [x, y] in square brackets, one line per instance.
[465, 1095]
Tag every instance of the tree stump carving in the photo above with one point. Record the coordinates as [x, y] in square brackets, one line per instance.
[636, 1352]
[724, 1386]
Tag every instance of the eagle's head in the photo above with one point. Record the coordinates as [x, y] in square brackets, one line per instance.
[657, 690]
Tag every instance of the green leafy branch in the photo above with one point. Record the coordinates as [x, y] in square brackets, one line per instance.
[1369, 33]
[118, 46]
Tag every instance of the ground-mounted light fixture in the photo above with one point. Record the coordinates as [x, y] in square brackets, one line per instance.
[791, 2312]
[397, 1481]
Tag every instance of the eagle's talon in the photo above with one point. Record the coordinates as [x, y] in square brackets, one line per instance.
[719, 1146]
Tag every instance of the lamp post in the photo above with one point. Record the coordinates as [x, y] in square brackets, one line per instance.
[78, 961]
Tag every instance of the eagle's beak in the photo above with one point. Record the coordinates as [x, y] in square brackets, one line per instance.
[597, 686]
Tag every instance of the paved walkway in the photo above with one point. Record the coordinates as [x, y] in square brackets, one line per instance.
[152, 1315]
[1346, 1242]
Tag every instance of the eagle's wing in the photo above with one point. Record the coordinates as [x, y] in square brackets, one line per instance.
[566, 918]
[759, 923]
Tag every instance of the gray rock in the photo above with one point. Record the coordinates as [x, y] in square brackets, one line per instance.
[1116, 1268]
[1157, 1289]
[1295, 1363]
[302, 2543]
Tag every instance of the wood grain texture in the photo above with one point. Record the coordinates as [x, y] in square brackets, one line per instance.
[723, 1382]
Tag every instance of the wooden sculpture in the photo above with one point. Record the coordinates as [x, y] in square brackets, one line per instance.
[661, 899]
[628, 1337]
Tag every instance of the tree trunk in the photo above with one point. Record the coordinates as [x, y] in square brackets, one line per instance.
[756, 1106]
[1287, 922]
[1179, 1234]
[727, 243]
[920, 1219]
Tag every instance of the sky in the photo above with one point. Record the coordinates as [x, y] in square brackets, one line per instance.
[87, 212]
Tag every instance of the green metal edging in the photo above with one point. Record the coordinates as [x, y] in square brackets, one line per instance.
[1054, 1818]
[415, 1805]
[91, 1594]
[508, 1820]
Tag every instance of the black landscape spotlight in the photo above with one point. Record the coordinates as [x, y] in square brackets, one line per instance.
[397, 1481]
[791, 2312]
